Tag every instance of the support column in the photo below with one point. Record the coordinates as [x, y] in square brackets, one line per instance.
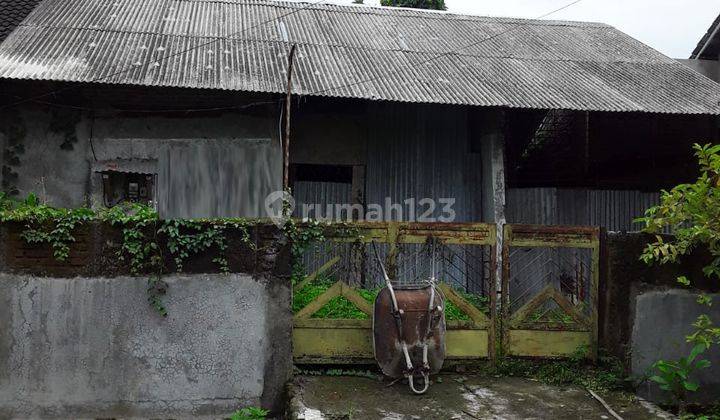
[493, 178]
[492, 142]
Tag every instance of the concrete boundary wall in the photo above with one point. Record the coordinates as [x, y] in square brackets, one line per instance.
[645, 315]
[662, 321]
[91, 346]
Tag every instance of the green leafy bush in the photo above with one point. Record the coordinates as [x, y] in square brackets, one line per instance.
[674, 376]
[691, 212]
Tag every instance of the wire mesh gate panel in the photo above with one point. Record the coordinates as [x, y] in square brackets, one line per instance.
[548, 302]
[550, 290]
[342, 277]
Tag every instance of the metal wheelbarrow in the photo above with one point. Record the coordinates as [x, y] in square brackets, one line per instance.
[409, 330]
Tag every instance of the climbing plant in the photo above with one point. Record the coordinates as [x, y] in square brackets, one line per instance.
[139, 246]
[44, 224]
[301, 238]
[142, 235]
[139, 230]
[189, 237]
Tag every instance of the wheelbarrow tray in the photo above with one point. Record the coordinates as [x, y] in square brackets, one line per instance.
[414, 303]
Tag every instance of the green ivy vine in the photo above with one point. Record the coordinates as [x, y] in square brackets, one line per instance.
[142, 235]
[190, 237]
[140, 246]
[44, 224]
[301, 238]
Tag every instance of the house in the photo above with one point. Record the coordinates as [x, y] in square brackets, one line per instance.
[426, 115]
[705, 58]
[181, 103]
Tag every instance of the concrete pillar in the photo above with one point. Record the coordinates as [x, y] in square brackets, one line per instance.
[492, 142]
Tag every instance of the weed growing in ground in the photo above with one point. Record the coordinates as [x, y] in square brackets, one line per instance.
[607, 375]
[249, 413]
[711, 412]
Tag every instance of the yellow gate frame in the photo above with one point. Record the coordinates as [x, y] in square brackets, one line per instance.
[521, 340]
[349, 341]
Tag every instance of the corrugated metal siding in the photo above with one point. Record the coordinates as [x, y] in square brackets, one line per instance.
[422, 152]
[410, 56]
[414, 152]
[322, 194]
[613, 210]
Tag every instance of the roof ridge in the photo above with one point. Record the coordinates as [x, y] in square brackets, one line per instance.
[379, 10]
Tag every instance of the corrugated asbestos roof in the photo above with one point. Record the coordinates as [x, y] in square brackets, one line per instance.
[195, 43]
[12, 12]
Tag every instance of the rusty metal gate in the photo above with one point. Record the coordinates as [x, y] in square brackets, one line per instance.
[547, 306]
[550, 282]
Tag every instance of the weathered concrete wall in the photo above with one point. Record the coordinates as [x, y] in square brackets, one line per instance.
[624, 277]
[91, 345]
[662, 321]
[644, 315]
[94, 347]
[220, 165]
[49, 154]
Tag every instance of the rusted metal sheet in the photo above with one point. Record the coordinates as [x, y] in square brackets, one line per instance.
[552, 236]
[337, 342]
[536, 343]
[411, 233]
[524, 338]
[416, 322]
[346, 341]
[613, 210]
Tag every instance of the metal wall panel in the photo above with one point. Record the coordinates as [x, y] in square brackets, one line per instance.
[613, 210]
[421, 152]
[209, 178]
[320, 194]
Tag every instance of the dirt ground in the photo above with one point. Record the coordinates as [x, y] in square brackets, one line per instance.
[454, 396]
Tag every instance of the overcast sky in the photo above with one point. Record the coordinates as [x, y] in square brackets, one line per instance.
[673, 27]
